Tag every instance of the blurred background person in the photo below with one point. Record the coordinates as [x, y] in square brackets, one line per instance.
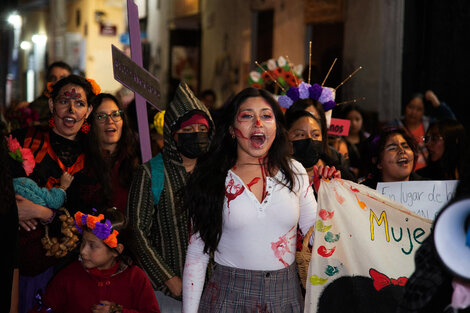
[416, 123]
[446, 141]
[356, 139]
[55, 72]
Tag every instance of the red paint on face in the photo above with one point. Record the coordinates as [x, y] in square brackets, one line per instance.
[241, 116]
[239, 134]
[72, 94]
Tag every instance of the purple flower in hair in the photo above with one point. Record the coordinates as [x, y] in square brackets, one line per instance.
[285, 101]
[328, 105]
[80, 230]
[102, 230]
[315, 91]
[326, 95]
[303, 90]
[293, 93]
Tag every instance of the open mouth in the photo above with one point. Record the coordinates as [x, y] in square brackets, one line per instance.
[257, 140]
[110, 131]
[403, 162]
[69, 121]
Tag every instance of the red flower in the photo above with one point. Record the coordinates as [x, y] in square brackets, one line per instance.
[28, 160]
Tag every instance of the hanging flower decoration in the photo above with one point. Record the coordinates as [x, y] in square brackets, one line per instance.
[324, 95]
[280, 70]
[21, 154]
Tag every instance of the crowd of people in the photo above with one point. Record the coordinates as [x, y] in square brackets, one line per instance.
[210, 223]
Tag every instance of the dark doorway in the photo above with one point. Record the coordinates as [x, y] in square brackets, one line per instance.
[327, 44]
[264, 35]
[434, 55]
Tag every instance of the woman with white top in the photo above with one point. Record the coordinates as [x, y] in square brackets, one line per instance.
[246, 198]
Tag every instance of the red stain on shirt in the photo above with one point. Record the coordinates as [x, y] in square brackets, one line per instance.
[232, 191]
[281, 247]
[252, 182]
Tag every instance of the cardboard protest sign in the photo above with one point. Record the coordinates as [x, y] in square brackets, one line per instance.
[363, 250]
[424, 197]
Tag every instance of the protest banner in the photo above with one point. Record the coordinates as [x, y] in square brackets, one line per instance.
[363, 250]
[424, 197]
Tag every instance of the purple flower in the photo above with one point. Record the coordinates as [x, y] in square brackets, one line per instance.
[326, 95]
[293, 93]
[101, 230]
[79, 228]
[328, 105]
[285, 101]
[303, 90]
[315, 91]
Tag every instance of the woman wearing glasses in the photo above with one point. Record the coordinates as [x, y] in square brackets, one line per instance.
[111, 155]
[446, 143]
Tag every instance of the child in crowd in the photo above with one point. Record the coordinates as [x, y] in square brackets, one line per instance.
[103, 280]
[53, 198]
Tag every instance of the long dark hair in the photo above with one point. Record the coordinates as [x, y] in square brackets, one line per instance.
[126, 152]
[206, 186]
[455, 142]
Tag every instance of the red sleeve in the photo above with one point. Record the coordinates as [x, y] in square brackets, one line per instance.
[54, 296]
[145, 299]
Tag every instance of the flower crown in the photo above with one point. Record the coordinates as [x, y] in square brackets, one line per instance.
[279, 71]
[102, 230]
[95, 88]
[21, 154]
[324, 95]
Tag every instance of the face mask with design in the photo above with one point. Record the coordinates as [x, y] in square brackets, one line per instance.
[307, 151]
[193, 145]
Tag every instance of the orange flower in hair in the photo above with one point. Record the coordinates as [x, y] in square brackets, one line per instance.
[92, 220]
[95, 88]
[48, 90]
[111, 241]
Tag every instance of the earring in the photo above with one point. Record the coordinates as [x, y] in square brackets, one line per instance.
[51, 122]
[85, 127]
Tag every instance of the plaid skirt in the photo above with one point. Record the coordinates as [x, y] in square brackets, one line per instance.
[233, 290]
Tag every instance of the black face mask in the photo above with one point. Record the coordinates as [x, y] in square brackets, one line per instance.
[307, 151]
[193, 145]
